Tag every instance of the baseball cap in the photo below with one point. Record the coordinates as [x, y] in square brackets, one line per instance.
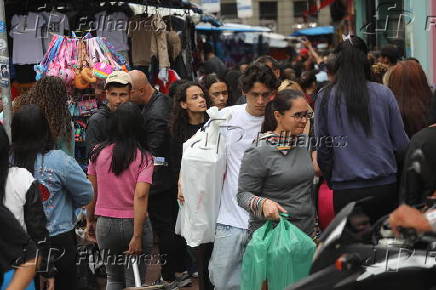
[119, 77]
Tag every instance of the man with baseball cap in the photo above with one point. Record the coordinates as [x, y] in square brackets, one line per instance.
[118, 89]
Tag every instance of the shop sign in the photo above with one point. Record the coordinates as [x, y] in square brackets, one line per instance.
[245, 8]
[211, 6]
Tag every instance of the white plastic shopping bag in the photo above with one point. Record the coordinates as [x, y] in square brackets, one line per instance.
[201, 176]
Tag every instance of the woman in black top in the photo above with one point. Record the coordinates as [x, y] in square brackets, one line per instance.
[189, 116]
[419, 179]
[190, 107]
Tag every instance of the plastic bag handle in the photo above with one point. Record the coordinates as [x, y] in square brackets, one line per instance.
[285, 215]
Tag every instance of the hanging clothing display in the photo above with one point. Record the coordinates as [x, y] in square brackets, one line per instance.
[26, 34]
[148, 40]
[113, 26]
[165, 83]
[55, 23]
[174, 45]
[141, 46]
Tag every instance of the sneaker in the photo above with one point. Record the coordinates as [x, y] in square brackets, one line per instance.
[184, 280]
[194, 275]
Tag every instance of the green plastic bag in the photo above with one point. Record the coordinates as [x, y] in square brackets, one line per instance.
[254, 262]
[281, 255]
[290, 255]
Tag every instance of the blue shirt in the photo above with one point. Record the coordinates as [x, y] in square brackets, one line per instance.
[355, 160]
[67, 189]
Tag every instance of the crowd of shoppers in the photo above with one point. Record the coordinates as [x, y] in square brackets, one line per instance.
[369, 108]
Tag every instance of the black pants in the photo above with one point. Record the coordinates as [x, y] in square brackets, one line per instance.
[163, 210]
[202, 254]
[384, 199]
[65, 245]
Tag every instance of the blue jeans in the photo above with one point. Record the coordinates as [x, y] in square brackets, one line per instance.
[226, 260]
[113, 238]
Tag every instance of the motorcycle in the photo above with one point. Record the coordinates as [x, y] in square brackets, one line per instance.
[353, 255]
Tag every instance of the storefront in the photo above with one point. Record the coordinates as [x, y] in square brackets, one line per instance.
[407, 24]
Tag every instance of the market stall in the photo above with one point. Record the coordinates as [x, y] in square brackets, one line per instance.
[84, 41]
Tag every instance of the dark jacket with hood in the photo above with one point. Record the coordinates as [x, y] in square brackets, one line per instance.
[96, 129]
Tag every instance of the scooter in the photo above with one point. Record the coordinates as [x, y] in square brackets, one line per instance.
[347, 259]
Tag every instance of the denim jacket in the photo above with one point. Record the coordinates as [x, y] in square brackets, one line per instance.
[66, 188]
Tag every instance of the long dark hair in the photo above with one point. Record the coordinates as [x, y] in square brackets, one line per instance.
[180, 120]
[281, 103]
[352, 71]
[4, 161]
[409, 84]
[31, 136]
[126, 133]
[209, 81]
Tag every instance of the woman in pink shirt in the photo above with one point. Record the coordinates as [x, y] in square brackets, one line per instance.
[120, 169]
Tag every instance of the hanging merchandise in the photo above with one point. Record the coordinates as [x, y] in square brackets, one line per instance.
[165, 78]
[55, 23]
[26, 32]
[79, 131]
[79, 61]
[148, 40]
[113, 27]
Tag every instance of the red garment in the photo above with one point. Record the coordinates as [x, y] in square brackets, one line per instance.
[164, 87]
[310, 100]
[326, 211]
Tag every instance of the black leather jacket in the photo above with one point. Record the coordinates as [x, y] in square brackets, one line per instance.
[156, 114]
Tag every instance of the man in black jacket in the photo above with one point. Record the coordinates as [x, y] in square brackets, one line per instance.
[118, 88]
[163, 207]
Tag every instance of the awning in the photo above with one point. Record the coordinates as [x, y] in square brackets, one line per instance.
[319, 30]
[232, 27]
[35, 4]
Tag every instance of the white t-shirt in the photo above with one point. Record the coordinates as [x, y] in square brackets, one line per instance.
[237, 141]
[26, 32]
[55, 23]
[114, 28]
[17, 184]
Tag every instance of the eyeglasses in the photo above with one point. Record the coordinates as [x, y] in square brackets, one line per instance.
[300, 115]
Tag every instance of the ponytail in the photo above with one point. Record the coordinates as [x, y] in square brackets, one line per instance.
[270, 122]
[281, 103]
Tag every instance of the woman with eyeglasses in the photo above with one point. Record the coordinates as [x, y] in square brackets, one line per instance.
[276, 172]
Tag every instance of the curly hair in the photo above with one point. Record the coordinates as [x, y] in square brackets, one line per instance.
[258, 73]
[50, 95]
